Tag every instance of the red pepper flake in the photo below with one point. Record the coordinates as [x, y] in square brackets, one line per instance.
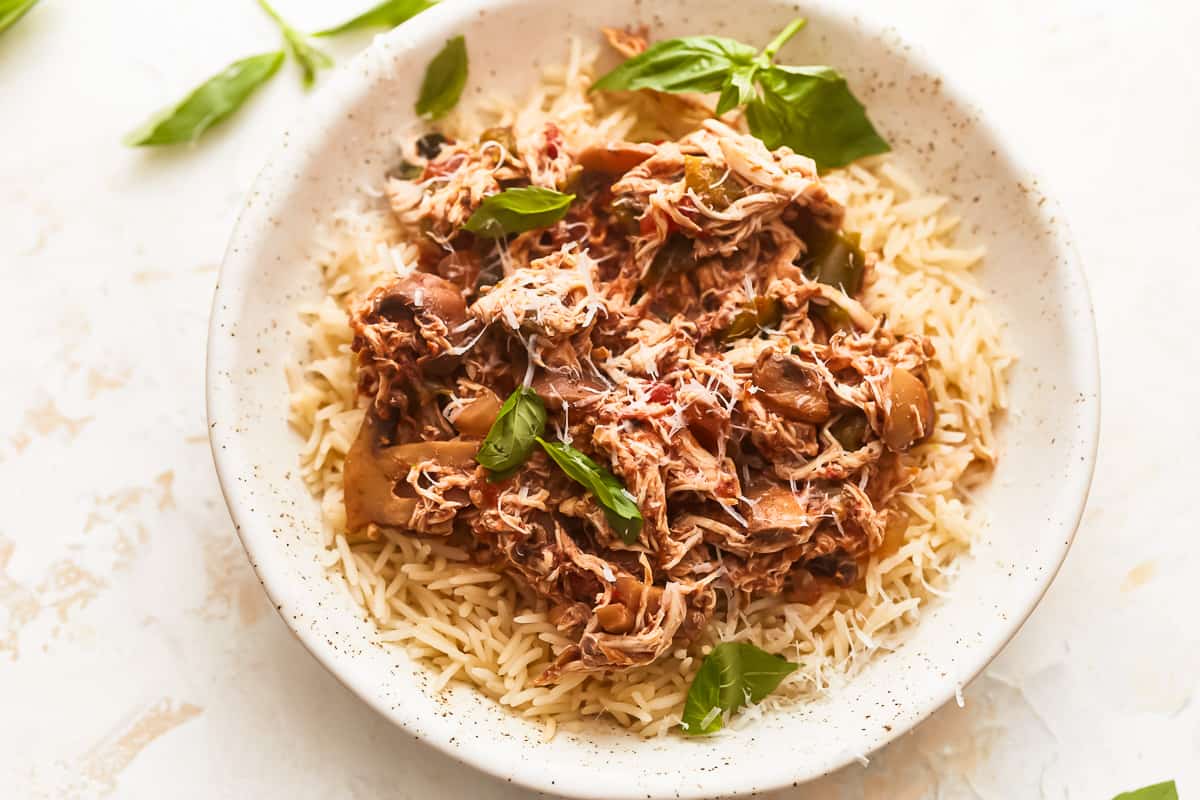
[662, 393]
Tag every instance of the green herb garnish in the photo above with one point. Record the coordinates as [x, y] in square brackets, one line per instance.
[12, 10]
[1159, 791]
[809, 109]
[518, 210]
[208, 104]
[688, 64]
[759, 314]
[733, 674]
[812, 111]
[387, 14]
[519, 426]
[310, 59]
[444, 80]
[520, 422]
[620, 509]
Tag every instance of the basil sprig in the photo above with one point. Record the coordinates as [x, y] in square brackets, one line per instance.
[521, 420]
[208, 104]
[518, 210]
[226, 92]
[733, 674]
[387, 14]
[310, 59]
[12, 10]
[520, 425]
[619, 507]
[444, 80]
[1159, 791]
[809, 109]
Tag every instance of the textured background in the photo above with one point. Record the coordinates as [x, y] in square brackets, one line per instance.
[137, 651]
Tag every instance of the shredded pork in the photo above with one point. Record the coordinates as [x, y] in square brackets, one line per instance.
[758, 417]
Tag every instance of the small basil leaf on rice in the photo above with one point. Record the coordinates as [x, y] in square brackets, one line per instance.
[1159, 791]
[813, 111]
[620, 509]
[732, 675]
[512, 437]
[11, 12]
[688, 64]
[518, 210]
[310, 59]
[387, 14]
[444, 80]
[208, 104]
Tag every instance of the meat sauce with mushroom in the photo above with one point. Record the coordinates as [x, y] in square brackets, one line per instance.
[694, 325]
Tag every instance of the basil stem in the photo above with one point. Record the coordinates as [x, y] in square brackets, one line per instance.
[208, 104]
[779, 41]
[310, 59]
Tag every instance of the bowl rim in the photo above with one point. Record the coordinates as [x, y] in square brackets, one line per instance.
[232, 460]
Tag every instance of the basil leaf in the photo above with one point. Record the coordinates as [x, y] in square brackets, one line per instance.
[518, 210]
[733, 674]
[738, 89]
[444, 80]
[208, 104]
[387, 14]
[812, 111]
[1159, 791]
[619, 507]
[520, 422]
[310, 59]
[12, 10]
[690, 64]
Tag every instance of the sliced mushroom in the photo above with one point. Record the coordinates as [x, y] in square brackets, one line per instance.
[556, 388]
[908, 411]
[706, 423]
[837, 567]
[423, 291]
[791, 387]
[370, 483]
[373, 472]
[461, 268]
[476, 418]
[615, 158]
[450, 453]
[802, 587]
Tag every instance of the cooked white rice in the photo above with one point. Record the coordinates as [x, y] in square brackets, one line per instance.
[481, 627]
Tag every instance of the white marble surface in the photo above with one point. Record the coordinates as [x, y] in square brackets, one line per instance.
[138, 655]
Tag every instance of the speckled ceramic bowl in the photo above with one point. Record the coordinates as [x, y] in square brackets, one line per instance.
[1034, 502]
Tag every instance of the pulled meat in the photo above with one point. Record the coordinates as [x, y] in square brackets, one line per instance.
[678, 335]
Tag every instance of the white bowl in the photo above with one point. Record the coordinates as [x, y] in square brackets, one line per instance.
[1034, 501]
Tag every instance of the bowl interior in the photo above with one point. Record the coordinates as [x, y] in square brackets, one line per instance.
[347, 139]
